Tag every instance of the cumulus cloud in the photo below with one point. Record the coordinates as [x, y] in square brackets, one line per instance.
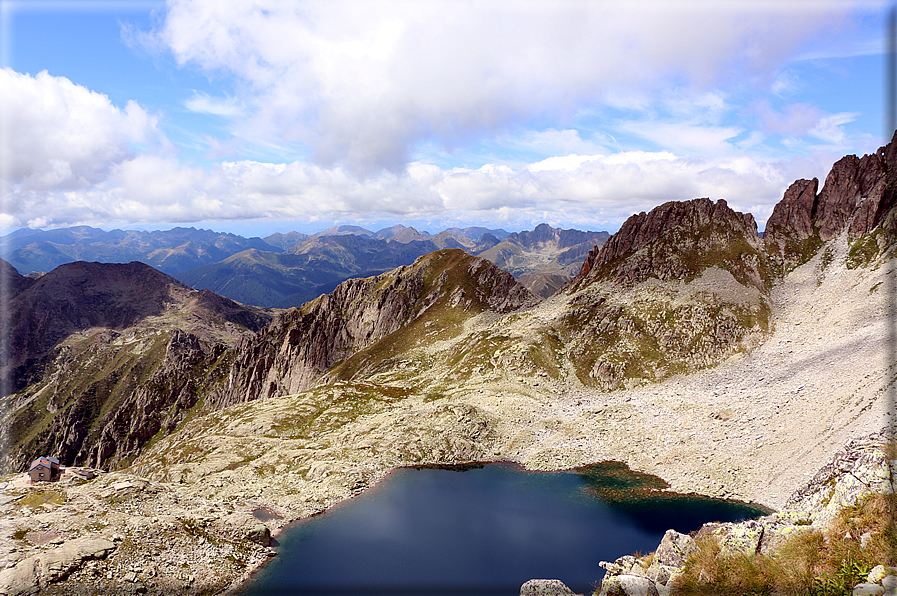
[594, 190]
[361, 83]
[59, 135]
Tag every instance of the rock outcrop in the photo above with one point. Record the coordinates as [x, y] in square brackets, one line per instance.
[862, 468]
[430, 297]
[859, 196]
[34, 573]
[677, 241]
[676, 289]
[545, 587]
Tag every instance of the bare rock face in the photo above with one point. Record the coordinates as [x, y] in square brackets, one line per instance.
[858, 196]
[677, 241]
[677, 289]
[545, 587]
[431, 296]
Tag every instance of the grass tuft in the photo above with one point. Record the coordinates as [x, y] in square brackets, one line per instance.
[813, 562]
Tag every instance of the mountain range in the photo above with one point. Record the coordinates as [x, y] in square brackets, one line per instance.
[685, 346]
[285, 270]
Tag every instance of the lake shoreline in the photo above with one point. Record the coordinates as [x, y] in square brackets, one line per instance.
[513, 467]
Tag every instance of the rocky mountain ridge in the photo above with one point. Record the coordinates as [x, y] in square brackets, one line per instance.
[676, 241]
[858, 196]
[316, 265]
[544, 250]
[100, 357]
[704, 367]
[439, 290]
[170, 251]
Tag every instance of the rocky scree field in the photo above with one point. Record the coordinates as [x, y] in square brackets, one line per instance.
[726, 364]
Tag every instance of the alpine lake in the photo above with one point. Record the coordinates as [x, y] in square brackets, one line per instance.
[482, 529]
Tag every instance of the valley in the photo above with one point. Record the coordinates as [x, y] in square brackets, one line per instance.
[686, 346]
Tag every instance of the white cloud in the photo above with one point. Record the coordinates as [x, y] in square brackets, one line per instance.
[361, 83]
[684, 136]
[59, 135]
[595, 190]
[204, 104]
[568, 163]
[829, 128]
[806, 120]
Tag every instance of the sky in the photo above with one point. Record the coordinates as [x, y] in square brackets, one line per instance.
[278, 115]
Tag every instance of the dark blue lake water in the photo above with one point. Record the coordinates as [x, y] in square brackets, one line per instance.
[482, 530]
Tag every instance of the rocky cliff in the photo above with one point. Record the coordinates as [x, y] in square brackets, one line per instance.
[858, 196]
[676, 289]
[677, 241]
[425, 301]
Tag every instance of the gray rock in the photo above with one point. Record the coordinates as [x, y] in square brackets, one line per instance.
[674, 549]
[245, 527]
[625, 565]
[661, 574]
[545, 587]
[62, 560]
[776, 532]
[634, 585]
[868, 590]
[21, 579]
[258, 533]
[860, 468]
[628, 585]
[736, 537]
[879, 572]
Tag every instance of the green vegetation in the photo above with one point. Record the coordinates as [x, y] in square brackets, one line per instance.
[798, 252]
[865, 249]
[39, 497]
[811, 562]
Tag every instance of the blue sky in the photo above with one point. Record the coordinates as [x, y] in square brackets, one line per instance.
[255, 117]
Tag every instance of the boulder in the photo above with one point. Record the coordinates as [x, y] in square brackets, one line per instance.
[62, 560]
[674, 549]
[868, 590]
[628, 585]
[879, 572]
[22, 579]
[625, 565]
[545, 587]
[243, 526]
[736, 537]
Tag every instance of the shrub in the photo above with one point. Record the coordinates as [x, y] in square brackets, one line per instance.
[817, 563]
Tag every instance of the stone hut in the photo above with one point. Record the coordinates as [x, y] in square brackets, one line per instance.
[45, 469]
